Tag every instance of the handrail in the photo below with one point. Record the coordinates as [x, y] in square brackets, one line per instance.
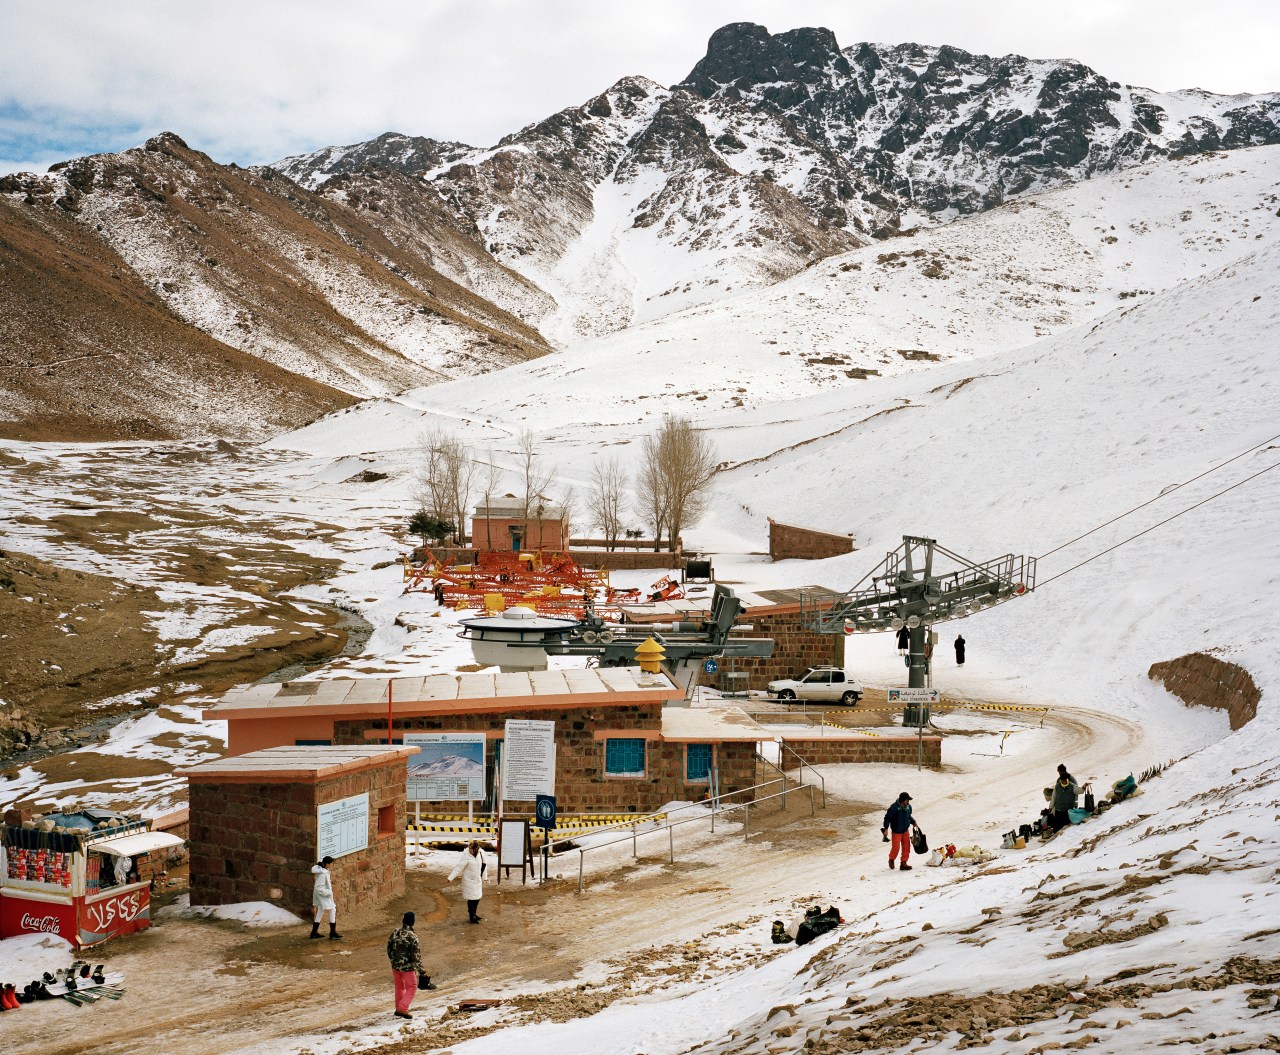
[671, 825]
[805, 765]
[645, 820]
[782, 773]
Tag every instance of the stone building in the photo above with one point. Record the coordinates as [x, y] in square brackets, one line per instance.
[501, 524]
[260, 821]
[620, 747]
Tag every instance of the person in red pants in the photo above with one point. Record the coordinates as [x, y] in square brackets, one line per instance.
[406, 965]
[898, 819]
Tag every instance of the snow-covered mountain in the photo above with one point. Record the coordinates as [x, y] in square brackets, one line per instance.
[998, 280]
[775, 152]
[275, 303]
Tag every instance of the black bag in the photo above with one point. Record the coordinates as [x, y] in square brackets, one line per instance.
[1090, 803]
[424, 981]
[817, 922]
[919, 843]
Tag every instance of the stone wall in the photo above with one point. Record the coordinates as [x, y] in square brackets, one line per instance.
[581, 784]
[791, 542]
[1202, 680]
[612, 560]
[825, 750]
[796, 648]
[257, 842]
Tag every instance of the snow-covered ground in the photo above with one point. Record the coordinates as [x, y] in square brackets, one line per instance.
[1010, 444]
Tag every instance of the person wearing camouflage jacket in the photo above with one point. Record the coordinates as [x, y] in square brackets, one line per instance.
[405, 955]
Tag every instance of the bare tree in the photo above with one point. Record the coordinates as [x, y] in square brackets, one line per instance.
[490, 477]
[567, 500]
[445, 478]
[604, 499]
[677, 465]
[535, 479]
[651, 499]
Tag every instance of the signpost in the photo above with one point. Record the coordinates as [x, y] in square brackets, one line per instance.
[544, 814]
[343, 826]
[917, 704]
[528, 759]
[515, 848]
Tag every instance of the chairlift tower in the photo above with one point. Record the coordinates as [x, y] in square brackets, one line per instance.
[919, 585]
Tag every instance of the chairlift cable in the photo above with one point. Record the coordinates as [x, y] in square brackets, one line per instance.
[1157, 498]
[1144, 531]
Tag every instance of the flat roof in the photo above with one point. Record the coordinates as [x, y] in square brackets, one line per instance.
[711, 725]
[446, 694]
[293, 765]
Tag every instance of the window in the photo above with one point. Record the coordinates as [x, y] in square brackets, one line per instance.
[697, 763]
[624, 757]
[818, 677]
[387, 820]
[313, 743]
[837, 677]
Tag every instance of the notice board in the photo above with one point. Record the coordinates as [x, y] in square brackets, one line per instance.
[528, 759]
[343, 826]
[447, 767]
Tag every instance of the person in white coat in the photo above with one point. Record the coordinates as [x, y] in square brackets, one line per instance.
[322, 900]
[471, 866]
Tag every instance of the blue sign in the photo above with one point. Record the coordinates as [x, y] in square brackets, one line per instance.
[711, 666]
[544, 811]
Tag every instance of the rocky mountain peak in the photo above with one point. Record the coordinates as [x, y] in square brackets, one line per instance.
[743, 55]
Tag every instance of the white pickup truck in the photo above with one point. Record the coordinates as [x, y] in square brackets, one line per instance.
[826, 684]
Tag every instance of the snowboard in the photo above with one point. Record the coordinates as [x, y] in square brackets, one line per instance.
[87, 991]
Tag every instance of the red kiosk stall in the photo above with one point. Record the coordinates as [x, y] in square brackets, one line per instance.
[76, 875]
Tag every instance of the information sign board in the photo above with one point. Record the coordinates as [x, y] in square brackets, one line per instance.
[343, 826]
[913, 695]
[447, 767]
[528, 760]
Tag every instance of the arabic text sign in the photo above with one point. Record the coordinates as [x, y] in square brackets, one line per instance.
[447, 767]
[528, 760]
[343, 826]
[913, 696]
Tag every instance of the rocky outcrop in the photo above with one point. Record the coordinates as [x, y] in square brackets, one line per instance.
[1201, 680]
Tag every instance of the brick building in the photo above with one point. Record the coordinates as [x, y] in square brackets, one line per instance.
[260, 821]
[501, 524]
[619, 747]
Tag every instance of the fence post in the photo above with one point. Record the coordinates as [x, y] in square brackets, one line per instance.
[784, 781]
[812, 810]
[635, 854]
[671, 839]
[746, 821]
[581, 854]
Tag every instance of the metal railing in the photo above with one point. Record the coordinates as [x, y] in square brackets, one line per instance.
[822, 781]
[716, 808]
[671, 826]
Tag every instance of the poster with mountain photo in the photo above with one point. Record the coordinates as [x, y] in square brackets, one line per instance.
[447, 767]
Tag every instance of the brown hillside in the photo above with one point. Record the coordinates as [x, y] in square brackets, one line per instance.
[88, 352]
[258, 266]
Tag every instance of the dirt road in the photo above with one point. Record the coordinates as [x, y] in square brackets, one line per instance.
[199, 988]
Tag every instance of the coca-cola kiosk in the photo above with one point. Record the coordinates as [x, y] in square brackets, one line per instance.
[76, 875]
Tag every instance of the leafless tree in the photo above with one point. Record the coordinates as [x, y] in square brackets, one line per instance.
[677, 465]
[489, 479]
[567, 500]
[535, 478]
[604, 499]
[446, 476]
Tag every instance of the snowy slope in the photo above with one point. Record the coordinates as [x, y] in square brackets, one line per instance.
[995, 281]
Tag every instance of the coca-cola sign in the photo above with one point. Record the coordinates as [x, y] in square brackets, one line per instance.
[40, 924]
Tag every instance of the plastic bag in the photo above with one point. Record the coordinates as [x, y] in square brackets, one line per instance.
[919, 843]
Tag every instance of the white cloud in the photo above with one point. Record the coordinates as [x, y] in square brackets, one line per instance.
[251, 82]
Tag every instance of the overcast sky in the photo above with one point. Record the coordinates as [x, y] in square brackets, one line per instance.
[252, 81]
